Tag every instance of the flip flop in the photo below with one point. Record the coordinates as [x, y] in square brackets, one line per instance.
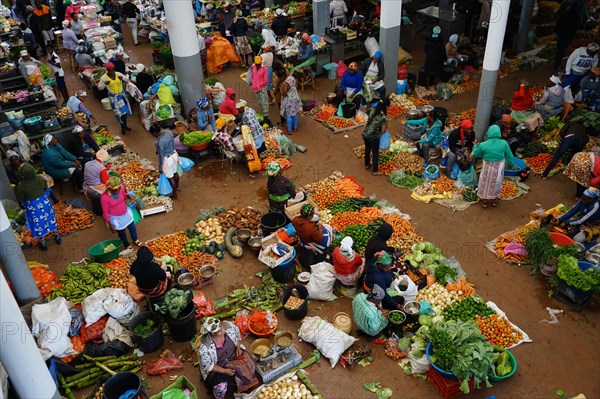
[495, 203]
[377, 173]
[483, 204]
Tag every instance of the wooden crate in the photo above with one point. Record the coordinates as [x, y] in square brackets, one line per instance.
[294, 210]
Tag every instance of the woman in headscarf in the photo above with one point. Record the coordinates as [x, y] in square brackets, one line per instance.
[114, 83]
[116, 213]
[306, 50]
[495, 153]
[435, 55]
[378, 242]
[95, 177]
[366, 309]
[222, 360]
[83, 59]
[379, 274]
[60, 163]
[373, 70]
[522, 108]
[83, 145]
[508, 130]
[13, 168]
[280, 188]
[552, 100]
[228, 110]
[313, 236]
[281, 24]
[76, 104]
[260, 79]
[375, 127]
[151, 278]
[585, 212]
[239, 28]
[452, 51]
[291, 103]
[584, 169]
[205, 118]
[432, 134]
[351, 86]
[33, 194]
[460, 144]
[348, 265]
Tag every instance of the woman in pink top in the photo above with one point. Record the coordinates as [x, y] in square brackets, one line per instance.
[259, 85]
[71, 9]
[116, 212]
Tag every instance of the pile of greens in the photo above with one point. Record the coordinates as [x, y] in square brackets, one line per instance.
[265, 296]
[570, 250]
[467, 309]
[425, 254]
[539, 247]
[350, 204]
[196, 138]
[145, 328]
[589, 119]
[377, 389]
[460, 348]
[554, 122]
[175, 302]
[210, 81]
[408, 180]
[570, 273]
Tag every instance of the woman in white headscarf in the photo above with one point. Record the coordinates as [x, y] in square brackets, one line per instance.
[452, 51]
[348, 265]
[552, 101]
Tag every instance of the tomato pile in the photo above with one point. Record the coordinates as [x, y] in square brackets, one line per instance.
[346, 219]
[540, 162]
[340, 123]
[393, 353]
[395, 112]
[387, 168]
[498, 331]
[171, 245]
[241, 321]
[45, 280]
[326, 112]
[325, 198]
[509, 189]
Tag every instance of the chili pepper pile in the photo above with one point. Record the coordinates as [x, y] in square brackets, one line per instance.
[326, 112]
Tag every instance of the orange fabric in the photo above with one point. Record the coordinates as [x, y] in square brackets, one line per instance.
[43, 11]
[219, 52]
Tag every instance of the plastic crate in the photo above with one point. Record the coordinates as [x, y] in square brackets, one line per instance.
[575, 298]
[416, 276]
[36, 97]
[6, 129]
[412, 132]
[448, 387]
[51, 123]
[291, 358]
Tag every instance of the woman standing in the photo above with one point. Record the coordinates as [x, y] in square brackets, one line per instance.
[116, 212]
[33, 194]
[280, 188]
[113, 82]
[239, 29]
[435, 56]
[222, 359]
[168, 158]
[376, 125]
[291, 104]
[495, 153]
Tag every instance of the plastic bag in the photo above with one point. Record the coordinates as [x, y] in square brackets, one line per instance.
[403, 56]
[468, 177]
[322, 279]
[410, 293]
[165, 95]
[76, 322]
[50, 325]
[162, 364]
[384, 141]
[342, 68]
[455, 171]
[329, 340]
[120, 305]
[164, 111]
[44, 70]
[285, 146]
[418, 365]
[174, 393]
[186, 163]
[249, 77]
[241, 321]
[164, 187]
[92, 307]
[371, 45]
[114, 331]
[515, 248]
[204, 306]
[401, 86]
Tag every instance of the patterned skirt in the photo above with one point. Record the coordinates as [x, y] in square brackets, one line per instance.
[490, 181]
[580, 167]
[242, 46]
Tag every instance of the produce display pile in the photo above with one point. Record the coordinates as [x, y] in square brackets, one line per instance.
[81, 281]
[70, 219]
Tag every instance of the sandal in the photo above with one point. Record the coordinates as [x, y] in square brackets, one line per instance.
[139, 243]
[367, 167]
[483, 204]
[495, 202]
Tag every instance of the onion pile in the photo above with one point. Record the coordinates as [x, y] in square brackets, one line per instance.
[438, 297]
[290, 388]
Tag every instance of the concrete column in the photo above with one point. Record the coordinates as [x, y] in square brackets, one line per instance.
[15, 264]
[321, 17]
[20, 355]
[491, 63]
[389, 40]
[524, 23]
[6, 191]
[186, 51]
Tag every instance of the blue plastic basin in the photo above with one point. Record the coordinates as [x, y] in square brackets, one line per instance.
[510, 172]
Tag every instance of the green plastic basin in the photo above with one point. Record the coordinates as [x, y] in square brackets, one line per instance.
[97, 250]
[513, 364]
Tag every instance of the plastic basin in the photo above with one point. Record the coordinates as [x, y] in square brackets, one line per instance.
[561, 239]
[199, 147]
[513, 364]
[254, 319]
[428, 353]
[520, 163]
[97, 250]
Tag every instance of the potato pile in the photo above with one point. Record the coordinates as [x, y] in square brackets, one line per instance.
[245, 218]
[211, 230]
[290, 388]
[7, 96]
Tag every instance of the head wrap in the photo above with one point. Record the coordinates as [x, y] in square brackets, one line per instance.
[211, 325]
[273, 169]
[102, 155]
[266, 45]
[591, 192]
[307, 211]
[209, 6]
[383, 258]
[81, 93]
[346, 248]
[592, 47]
[506, 118]
[279, 11]
[202, 102]
[144, 255]
[453, 39]
[11, 153]
[353, 65]
[306, 38]
[436, 31]
[466, 124]
[139, 68]
[378, 55]
[65, 23]
[238, 13]
[555, 79]
[48, 139]
[109, 65]
[493, 132]
[77, 129]
[220, 123]
[258, 60]
[114, 182]
[377, 293]
[241, 104]
[28, 172]
[24, 53]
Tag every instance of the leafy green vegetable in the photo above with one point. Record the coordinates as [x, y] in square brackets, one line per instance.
[196, 138]
[408, 180]
[445, 274]
[570, 250]
[210, 81]
[589, 119]
[467, 309]
[175, 302]
[539, 247]
[144, 328]
[570, 273]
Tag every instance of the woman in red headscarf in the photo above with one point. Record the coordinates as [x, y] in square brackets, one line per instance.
[227, 110]
[508, 129]
[460, 144]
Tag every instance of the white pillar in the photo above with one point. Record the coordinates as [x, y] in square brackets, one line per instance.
[183, 40]
[491, 64]
[20, 354]
[389, 40]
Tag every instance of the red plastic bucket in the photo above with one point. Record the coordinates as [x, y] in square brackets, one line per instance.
[561, 239]
[199, 147]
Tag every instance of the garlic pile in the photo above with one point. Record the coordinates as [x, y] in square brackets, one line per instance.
[437, 295]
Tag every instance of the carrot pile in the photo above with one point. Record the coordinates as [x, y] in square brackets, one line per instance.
[400, 225]
[171, 245]
[443, 184]
[350, 188]
[498, 331]
[45, 280]
[462, 287]
[116, 263]
[70, 219]
[194, 261]
[419, 102]
[284, 162]
[509, 189]
[502, 241]
[345, 219]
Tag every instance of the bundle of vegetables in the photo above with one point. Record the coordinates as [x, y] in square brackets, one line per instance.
[171, 245]
[570, 273]
[589, 119]
[409, 162]
[349, 187]
[467, 309]
[352, 204]
[404, 235]
[175, 302]
[70, 219]
[548, 52]
[552, 123]
[81, 281]
[45, 280]
[460, 348]
[118, 273]
[498, 331]
[443, 184]
[406, 180]
[265, 296]
[244, 218]
[211, 81]
[196, 138]
[533, 149]
[540, 162]
[425, 254]
[103, 136]
[463, 288]
[151, 190]
[96, 368]
[539, 248]
[438, 297]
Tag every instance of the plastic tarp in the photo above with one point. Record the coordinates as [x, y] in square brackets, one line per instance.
[219, 53]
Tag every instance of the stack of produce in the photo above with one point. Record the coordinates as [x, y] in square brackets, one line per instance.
[326, 112]
[540, 162]
[44, 279]
[326, 184]
[70, 219]
[211, 230]
[171, 245]
[438, 296]
[284, 162]
[401, 101]
[79, 282]
[453, 122]
[118, 274]
[153, 200]
[266, 296]
[467, 309]
[408, 162]
[364, 217]
[103, 136]
[337, 123]
[136, 177]
[509, 189]
[395, 112]
[194, 261]
[244, 218]
[498, 330]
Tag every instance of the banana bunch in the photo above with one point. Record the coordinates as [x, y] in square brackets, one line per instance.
[81, 281]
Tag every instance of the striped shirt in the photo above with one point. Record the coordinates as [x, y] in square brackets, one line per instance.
[366, 315]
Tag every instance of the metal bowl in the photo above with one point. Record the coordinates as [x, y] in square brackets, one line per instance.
[413, 113]
[243, 235]
[207, 271]
[261, 347]
[255, 244]
[412, 308]
[427, 108]
[186, 279]
[283, 339]
[593, 258]
[580, 247]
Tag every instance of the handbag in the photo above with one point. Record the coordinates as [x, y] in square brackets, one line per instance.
[164, 187]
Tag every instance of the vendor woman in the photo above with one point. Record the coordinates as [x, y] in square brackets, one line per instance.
[312, 235]
[366, 309]
[205, 118]
[351, 86]
[223, 361]
[280, 188]
[379, 273]
[586, 211]
[522, 108]
[374, 72]
[151, 278]
[379, 242]
[348, 265]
